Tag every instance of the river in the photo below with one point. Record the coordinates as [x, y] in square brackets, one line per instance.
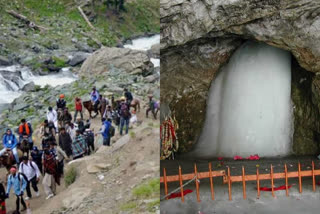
[13, 78]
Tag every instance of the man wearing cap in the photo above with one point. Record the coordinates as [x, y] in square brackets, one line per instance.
[79, 146]
[52, 116]
[10, 142]
[32, 172]
[19, 184]
[95, 99]
[61, 103]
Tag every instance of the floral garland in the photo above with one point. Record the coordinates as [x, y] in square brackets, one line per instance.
[168, 138]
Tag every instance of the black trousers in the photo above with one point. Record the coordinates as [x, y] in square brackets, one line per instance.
[95, 106]
[20, 197]
[91, 144]
[33, 182]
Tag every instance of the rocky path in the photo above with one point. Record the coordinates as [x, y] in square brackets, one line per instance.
[74, 194]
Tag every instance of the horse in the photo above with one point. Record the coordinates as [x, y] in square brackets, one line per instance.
[7, 159]
[24, 146]
[89, 106]
[135, 103]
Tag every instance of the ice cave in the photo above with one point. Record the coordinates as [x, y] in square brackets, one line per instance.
[249, 109]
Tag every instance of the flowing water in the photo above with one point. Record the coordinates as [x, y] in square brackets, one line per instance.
[145, 43]
[13, 78]
[249, 109]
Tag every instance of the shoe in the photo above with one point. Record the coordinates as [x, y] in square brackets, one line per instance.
[37, 194]
[49, 196]
[23, 209]
[27, 198]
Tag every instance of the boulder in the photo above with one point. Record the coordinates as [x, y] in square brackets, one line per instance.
[154, 52]
[127, 60]
[4, 61]
[29, 87]
[95, 168]
[152, 78]
[78, 58]
[20, 107]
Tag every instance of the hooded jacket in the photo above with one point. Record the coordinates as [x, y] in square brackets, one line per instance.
[9, 141]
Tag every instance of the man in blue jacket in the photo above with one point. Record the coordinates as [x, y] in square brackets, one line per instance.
[95, 99]
[19, 184]
[104, 131]
[10, 142]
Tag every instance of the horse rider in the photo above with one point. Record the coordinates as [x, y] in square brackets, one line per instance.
[25, 130]
[151, 107]
[61, 103]
[128, 96]
[95, 99]
[10, 142]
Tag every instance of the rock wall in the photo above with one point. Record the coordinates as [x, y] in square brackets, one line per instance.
[198, 37]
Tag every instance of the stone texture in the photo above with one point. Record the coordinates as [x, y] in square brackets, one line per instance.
[130, 61]
[199, 36]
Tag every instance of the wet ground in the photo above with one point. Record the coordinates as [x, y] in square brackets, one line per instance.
[305, 202]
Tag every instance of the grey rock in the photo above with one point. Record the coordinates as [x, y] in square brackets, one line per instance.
[20, 107]
[29, 87]
[127, 60]
[78, 58]
[4, 61]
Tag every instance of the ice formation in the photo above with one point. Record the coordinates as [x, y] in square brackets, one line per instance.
[249, 109]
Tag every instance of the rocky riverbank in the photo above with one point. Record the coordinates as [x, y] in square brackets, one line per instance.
[67, 39]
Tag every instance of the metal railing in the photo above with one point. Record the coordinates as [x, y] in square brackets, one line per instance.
[228, 179]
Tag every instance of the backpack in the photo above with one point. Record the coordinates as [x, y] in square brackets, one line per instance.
[124, 110]
[30, 165]
[19, 178]
[112, 131]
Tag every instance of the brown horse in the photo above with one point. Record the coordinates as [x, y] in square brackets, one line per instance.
[135, 103]
[89, 106]
[24, 146]
[7, 159]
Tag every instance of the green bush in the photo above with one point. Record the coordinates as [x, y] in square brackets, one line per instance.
[148, 189]
[70, 176]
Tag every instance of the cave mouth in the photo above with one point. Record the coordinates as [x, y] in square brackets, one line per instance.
[249, 107]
